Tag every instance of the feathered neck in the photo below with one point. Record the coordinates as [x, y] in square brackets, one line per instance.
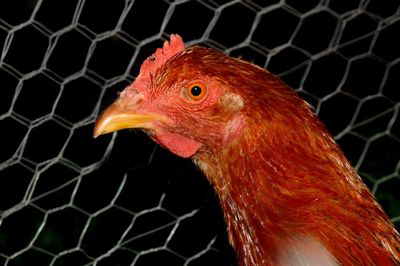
[286, 189]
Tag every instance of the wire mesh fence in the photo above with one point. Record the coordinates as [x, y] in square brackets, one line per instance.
[67, 199]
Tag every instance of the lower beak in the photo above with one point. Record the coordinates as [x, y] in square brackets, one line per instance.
[116, 117]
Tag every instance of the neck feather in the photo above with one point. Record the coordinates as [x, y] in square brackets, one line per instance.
[289, 189]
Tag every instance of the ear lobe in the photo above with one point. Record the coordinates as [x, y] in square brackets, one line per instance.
[231, 102]
[230, 105]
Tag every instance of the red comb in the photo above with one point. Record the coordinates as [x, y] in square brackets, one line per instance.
[155, 61]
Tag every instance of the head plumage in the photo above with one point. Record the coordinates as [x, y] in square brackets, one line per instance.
[155, 61]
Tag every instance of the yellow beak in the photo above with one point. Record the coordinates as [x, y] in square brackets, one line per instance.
[117, 117]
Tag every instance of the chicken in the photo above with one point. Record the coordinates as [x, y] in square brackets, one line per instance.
[288, 194]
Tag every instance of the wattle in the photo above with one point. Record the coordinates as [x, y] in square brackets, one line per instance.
[180, 145]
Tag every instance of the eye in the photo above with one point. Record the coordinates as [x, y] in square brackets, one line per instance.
[196, 91]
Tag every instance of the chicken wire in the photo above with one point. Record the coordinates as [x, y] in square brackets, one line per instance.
[68, 199]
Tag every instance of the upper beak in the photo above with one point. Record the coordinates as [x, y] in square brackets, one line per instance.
[117, 116]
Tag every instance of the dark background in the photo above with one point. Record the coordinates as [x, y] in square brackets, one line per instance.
[67, 199]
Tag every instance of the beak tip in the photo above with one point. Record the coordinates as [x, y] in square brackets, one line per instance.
[97, 131]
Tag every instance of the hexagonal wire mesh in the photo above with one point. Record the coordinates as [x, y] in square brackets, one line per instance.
[66, 199]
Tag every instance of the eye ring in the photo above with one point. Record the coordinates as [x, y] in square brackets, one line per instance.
[196, 91]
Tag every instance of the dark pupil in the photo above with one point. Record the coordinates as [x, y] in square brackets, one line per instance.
[195, 90]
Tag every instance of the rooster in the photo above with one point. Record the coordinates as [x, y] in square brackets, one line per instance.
[288, 194]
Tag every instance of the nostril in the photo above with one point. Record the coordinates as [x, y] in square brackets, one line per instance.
[135, 99]
[139, 101]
